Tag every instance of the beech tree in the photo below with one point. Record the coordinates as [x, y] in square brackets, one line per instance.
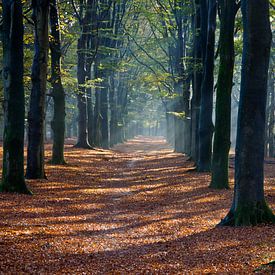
[221, 147]
[196, 81]
[84, 16]
[14, 105]
[249, 206]
[36, 117]
[58, 93]
[208, 11]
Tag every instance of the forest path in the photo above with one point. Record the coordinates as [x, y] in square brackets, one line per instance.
[137, 208]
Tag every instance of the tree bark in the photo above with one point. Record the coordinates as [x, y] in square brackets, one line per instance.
[82, 137]
[14, 101]
[206, 109]
[179, 104]
[221, 146]
[113, 110]
[82, 73]
[58, 93]
[197, 81]
[249, 206]
[36, 118]
[90, 110]
[104, 107]
[271, 115]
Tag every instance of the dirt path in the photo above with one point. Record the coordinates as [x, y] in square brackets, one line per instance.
[139, 208]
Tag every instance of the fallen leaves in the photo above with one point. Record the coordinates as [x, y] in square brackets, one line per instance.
[137, 209]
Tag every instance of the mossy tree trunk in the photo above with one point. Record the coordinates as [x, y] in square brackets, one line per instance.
[36, 118]
[249, 206]
[228, 9]
[14, 111]
[206, 108]
[58, 93]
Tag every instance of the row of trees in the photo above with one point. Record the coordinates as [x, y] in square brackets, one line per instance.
[130, 52]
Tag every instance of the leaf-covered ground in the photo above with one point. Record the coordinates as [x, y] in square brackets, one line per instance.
[137, 209]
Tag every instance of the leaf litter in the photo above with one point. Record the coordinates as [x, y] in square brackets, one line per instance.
[137, 209]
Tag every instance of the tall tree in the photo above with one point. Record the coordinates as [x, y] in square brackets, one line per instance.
[178, 59]
[92, 52]
[197, 81]
[105, 43]
[249, 206]
[206, 108]
[36, 118]
[228, 9]
[58, 93]
[14, 105]
[84, 17]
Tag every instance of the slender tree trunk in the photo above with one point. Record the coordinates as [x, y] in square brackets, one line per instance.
[171, 129]
[121, 106]
[178, 122]
[271, 121]
[187, 120]
[197, 81]
[221, 146]
[97, 115]
[205, 120]
[82, 139]
[104, 107]
[90, 110]
[92, 52]
[14, 101]
[58, 94]
[113, 110]
[36, 119]
[249, 206]
[178, 85]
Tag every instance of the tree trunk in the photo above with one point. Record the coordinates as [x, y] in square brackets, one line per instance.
[14, 105]
[205, 120]
[249, 206]
[58, 94]
[178, 85]
[82, 138]
[121, 106]
[186, 120]
[104, 107]
[97, 116]
[271, 116]
[178, 120]
[35, 159]
[197, 81]
[90, 110]
[221, 146]
[113, 111]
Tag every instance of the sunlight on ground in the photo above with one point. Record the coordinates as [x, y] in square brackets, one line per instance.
[140, 208]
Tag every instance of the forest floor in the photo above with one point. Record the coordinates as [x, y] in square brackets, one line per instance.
[136, 209]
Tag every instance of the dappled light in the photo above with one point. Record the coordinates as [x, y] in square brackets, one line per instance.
[137, 137]
[138, 207]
